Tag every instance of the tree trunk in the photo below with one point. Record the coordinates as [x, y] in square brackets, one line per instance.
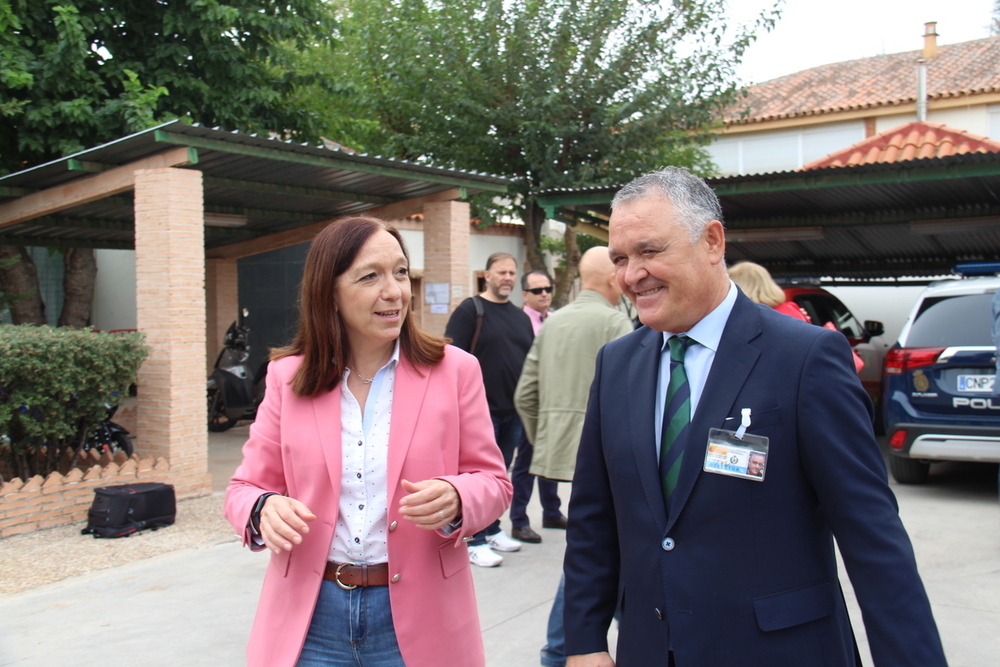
[571, 268]
[19, 282]
[534, 218]
[78, 283]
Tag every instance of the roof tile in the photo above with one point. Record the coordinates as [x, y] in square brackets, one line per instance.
[959, 69]
[910, 141]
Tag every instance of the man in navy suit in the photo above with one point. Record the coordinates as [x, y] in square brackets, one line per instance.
[709, 563]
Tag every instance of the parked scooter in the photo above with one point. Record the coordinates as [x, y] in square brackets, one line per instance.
[232, 392]
[109, 436]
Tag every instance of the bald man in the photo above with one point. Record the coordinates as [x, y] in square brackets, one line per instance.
[551, 395]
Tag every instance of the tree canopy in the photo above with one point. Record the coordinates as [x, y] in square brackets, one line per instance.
[552, 93]
[77, 73]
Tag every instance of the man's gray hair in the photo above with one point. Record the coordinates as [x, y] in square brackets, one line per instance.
[696, 203]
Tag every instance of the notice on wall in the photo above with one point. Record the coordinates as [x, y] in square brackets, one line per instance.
[439, 309]
[437, 293]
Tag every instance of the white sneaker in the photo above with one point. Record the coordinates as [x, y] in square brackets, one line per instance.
[500, 542]
[483, 556]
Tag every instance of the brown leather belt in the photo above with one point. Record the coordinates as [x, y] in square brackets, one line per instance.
[352, 575]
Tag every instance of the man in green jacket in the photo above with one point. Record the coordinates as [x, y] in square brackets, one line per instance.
[551, 395]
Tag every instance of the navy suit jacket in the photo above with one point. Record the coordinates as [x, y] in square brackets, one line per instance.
[741, 572]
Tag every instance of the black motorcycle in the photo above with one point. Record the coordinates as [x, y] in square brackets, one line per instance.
[110, 437]
[233, 392]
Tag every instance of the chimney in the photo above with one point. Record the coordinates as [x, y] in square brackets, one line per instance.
[930, 40]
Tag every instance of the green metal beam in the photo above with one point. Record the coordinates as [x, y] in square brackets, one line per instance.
[318, 193]
[860, 219]
[318, 161]
[8, 191]
[559, 216]
[576, 199]
[822, 181]
[88, 167]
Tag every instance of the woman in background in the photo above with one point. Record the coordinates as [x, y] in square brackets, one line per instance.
[371, 459]
[757, 284]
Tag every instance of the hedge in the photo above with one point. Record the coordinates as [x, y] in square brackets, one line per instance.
[55, 385]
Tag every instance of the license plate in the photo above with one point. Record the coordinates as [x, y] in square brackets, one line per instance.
[976, 383]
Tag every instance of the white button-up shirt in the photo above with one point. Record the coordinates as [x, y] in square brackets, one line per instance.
[699, 357]
[362, 517]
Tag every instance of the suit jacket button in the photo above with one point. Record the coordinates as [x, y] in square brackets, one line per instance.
[396, 577]
[392, 526]
[667, 544]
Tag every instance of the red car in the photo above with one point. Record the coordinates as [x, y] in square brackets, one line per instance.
[866, 339]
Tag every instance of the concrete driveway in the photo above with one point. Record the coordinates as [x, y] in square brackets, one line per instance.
[195, 606]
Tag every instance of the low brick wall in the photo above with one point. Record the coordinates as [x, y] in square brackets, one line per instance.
[59, 499]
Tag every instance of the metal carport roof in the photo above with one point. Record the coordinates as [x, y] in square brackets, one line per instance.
[913, 218]
[254, 186]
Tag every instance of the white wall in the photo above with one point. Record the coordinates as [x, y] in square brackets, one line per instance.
[114, 290]
[972, 119]
[414, 240]
[888, 305]
[781, 150]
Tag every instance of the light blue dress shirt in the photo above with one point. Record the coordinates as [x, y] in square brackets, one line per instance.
[698, 359]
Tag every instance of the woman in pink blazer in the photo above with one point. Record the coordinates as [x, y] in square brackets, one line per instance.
[370, 463]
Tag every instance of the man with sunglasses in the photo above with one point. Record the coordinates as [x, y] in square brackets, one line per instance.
[536, 290]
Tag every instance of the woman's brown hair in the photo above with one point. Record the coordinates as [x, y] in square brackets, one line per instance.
[321, 338]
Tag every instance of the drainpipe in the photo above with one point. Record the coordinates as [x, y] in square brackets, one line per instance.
[930, 52]
[921, 90]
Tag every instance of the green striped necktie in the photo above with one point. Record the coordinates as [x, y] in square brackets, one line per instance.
[676, 417]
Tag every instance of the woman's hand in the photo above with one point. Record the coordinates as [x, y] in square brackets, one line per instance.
[431, 504]
[283, 522]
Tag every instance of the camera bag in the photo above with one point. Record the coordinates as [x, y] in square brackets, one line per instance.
[119, 511]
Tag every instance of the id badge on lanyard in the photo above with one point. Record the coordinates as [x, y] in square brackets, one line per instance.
[737, 453]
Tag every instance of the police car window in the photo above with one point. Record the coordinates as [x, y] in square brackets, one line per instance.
[952, 321]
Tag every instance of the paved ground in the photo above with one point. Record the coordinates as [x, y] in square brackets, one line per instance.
[195, 606]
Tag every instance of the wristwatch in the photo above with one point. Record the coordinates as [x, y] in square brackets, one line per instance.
[255, 514]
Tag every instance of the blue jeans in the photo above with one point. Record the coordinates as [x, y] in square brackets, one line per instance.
[554, 651]
[524, 482]
[351, 629]
[508, 431]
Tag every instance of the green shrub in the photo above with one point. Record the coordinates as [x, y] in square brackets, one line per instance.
[54, 387]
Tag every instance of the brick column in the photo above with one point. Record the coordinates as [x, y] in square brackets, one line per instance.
[170, 310]
[446, 256]
[222, 304]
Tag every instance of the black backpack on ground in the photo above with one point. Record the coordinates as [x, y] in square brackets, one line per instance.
[119, 511]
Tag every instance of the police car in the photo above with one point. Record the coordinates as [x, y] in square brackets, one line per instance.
[937, 398]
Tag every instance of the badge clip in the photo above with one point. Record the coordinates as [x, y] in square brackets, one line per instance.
[744, 423]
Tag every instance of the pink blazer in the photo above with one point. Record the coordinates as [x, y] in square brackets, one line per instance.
[440, 428]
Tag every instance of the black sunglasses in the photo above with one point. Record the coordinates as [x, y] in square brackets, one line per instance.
[538, 290]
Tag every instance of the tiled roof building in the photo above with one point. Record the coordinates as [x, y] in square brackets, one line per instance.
[966, 68]
[799, 119]
[911, 141]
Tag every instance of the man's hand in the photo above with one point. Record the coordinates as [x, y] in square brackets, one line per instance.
[283, 522]
[431, 504]
[590, 660]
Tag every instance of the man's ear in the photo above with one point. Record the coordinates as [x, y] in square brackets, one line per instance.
[714, 238]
